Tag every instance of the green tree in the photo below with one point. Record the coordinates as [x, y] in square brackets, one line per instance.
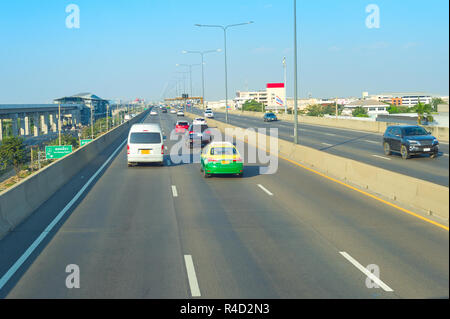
[314, 110]
[66, 139]
[321, 110]
[253, 106]
[423, 112]
[435, 102]
[329, 109]
[13, 152]
[360, 112]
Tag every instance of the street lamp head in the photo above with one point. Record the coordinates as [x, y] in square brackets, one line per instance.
[184, 52]
[219, 50]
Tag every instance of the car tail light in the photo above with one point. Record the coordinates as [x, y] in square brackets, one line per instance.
[208, 132]
[162, 149]
[212, 160]
[191, 132]
[128, 149]
[239, 160]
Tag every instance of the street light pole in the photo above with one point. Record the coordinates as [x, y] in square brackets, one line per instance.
[224, 28]
[202, 53]
[295, 76]
[203, 81]
[190, 74]
[226, 74]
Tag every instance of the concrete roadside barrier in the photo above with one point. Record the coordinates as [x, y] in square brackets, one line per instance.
[21, 200]
[405, 190]
[441, 133]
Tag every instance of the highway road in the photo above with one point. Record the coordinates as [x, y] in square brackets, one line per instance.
[361, 146]
[167, 232]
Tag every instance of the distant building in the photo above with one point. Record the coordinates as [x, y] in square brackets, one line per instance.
[372, 107]
[216, 104]
[273, 98]
[403, 98]
[90, 102]
[242, 97]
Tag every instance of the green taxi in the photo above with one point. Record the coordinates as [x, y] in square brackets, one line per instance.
[221, 158]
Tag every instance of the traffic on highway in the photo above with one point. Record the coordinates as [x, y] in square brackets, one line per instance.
[362, 146]
[225, 159]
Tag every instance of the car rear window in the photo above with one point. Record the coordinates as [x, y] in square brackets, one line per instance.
[196, 128]
[223, 151]
[183, 123]
[145, 138]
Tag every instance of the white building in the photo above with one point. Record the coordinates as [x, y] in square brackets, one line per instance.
[242, 97]
[216, 104]
[372, 107]
[273, 97]
[403, 98]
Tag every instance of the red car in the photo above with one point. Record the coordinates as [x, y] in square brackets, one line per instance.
[181, 127]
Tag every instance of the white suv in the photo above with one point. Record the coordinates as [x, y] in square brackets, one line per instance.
[209, 114]
[199, 121]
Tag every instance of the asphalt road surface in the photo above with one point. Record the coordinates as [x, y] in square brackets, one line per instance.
[167, 232]
[360, 146]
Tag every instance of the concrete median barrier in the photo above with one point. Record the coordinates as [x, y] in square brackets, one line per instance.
[441, 133]
[21, 200]
[424, 196]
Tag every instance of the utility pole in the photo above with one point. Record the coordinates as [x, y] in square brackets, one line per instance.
[92, 121]
[32, 162]
[39, 159]
[295, 76]
[336, 108]
[107, 111]
[285, 87]
[59, 123]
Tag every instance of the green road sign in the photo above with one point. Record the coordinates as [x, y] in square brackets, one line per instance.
[84, 142]
[56, 152]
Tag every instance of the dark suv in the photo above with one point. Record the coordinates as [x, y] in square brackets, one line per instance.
[199, 134]
[409, 140]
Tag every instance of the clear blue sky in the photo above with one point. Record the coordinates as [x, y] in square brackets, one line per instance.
[129, 48]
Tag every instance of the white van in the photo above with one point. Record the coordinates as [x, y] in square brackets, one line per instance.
[145, 144]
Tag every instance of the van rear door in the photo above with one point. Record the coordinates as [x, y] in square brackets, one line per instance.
[145, 143]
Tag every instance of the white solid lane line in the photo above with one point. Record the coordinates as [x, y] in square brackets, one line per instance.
[329, 134]
[192, 277]
[174, 191]
[265, 190]
[35, 244]
[385, 158]
[366, 272]
[326, 144]
[373, 142]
